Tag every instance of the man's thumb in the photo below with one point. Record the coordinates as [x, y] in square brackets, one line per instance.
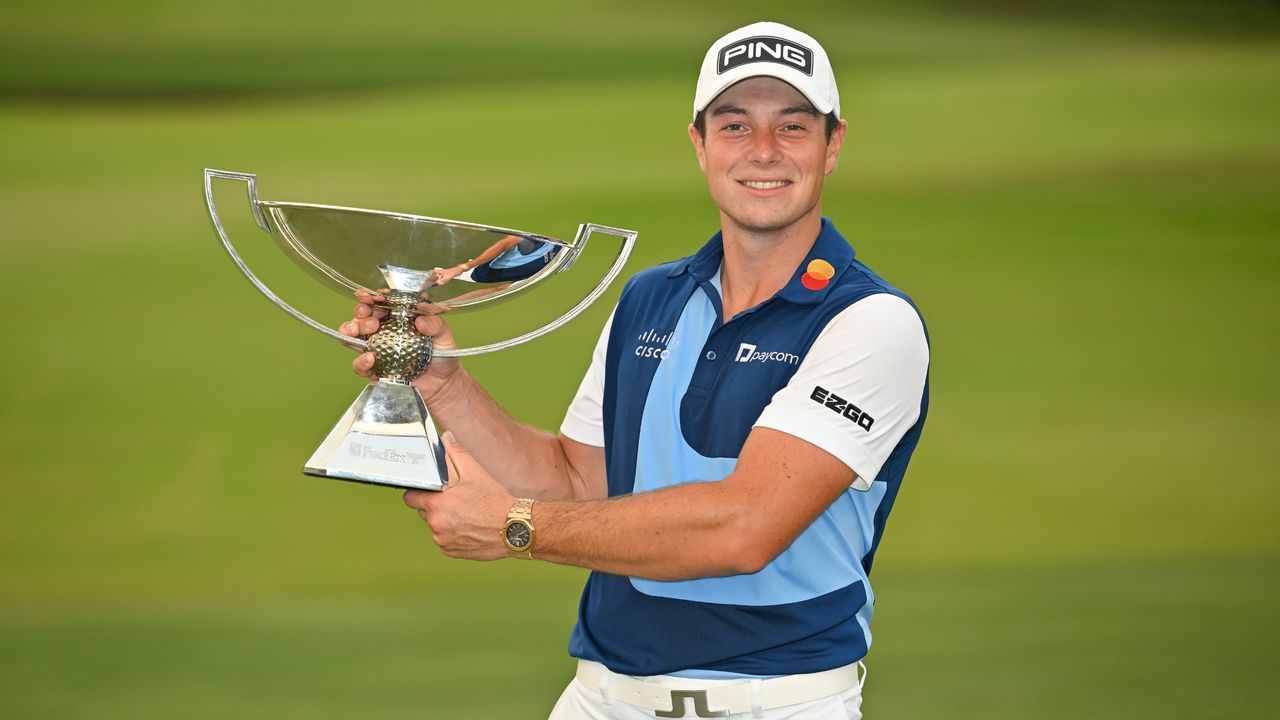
[458, 458]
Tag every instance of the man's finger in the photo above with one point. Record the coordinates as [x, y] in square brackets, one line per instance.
[413, 498]
[429, 308]
[359, 326]
[363, 364]
[452, 470]
[435, 328]
[457, 458]
[366, 305]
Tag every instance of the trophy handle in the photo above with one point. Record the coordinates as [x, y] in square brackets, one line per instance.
[628, 238]
[251, 181]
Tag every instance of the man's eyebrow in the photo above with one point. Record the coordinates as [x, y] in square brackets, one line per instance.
[728, 110]
[801, 110]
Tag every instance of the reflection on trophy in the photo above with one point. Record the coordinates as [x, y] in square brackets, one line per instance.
[407, 265]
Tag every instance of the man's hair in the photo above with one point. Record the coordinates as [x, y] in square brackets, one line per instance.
[700, 123]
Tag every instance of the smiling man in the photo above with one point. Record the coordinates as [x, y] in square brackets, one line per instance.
[730, 459]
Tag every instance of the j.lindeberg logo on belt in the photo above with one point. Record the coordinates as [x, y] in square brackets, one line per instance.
[653, 345]
[764, 48]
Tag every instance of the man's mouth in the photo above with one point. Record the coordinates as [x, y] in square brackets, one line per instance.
[765, 184]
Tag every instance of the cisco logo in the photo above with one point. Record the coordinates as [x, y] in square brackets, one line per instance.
[653, 345]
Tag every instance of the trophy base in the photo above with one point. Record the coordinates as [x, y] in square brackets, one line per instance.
[385, 438]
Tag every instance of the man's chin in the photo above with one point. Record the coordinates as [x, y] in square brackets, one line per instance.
[765, 224]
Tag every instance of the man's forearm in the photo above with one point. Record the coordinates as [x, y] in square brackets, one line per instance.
[527, 461]
[700, 529]
[689, 531]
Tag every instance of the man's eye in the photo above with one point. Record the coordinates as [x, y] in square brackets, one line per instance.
[734, 127]
[793, 127]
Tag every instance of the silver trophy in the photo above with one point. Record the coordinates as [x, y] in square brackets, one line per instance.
[408, 265]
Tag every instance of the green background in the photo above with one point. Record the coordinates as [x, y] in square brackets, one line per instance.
[1084, 199]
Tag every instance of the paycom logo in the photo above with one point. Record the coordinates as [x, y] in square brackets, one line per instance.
[750, 353]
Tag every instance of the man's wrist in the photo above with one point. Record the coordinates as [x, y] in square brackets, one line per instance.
[446, 393]
[518, 534]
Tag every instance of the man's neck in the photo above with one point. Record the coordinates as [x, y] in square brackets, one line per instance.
[759, 264]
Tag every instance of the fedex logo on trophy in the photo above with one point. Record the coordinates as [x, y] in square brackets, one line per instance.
[388, 455]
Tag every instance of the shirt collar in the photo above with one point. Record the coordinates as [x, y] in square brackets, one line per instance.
[703, 264]
[830, 247]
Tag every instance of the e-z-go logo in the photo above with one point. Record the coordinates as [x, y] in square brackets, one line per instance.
[837, 404]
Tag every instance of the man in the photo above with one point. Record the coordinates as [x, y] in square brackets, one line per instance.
[730, 459]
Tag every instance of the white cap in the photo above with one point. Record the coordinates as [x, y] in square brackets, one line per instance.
[774, 50]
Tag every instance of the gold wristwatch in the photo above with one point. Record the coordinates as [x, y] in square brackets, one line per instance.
[518, 532]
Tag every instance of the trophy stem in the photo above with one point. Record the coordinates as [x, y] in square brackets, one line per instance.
[403, 353]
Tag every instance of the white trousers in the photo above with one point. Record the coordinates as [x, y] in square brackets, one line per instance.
[579, 702]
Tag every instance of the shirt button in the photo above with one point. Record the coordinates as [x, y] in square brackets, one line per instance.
[711, 354]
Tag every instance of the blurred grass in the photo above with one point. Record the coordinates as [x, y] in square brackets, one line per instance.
[1085, 205]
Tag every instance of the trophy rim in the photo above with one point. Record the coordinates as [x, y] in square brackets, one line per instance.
[463, 224]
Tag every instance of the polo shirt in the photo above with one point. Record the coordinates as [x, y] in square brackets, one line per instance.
[839, 358]
[518, 262]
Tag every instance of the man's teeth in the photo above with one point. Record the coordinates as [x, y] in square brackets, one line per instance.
[764, 185]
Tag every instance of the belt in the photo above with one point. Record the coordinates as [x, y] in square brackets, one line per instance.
[675, 697]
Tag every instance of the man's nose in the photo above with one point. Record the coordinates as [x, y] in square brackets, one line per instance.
[764, 148]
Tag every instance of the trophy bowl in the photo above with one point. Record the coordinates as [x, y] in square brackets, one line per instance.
[347, 249]
[408, 265]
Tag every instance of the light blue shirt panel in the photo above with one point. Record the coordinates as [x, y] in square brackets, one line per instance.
[866, 504]
[717, 675]
[824, 558]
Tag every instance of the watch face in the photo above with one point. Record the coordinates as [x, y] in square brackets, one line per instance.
[518, 535]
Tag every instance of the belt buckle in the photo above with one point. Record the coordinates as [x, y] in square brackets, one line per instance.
[678, 706]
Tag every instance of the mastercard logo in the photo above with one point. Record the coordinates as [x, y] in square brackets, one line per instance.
[817, 275]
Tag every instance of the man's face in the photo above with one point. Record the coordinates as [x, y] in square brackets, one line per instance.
[765, 155]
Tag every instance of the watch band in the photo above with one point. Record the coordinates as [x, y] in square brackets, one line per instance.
[521, 509]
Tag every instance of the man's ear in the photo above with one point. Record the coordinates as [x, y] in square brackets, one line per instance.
[699, 147]
[833, 147]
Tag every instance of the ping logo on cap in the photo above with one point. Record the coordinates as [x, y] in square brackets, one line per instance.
[765, 48]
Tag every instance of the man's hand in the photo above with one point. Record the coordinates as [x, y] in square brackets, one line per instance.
[367, 320]
[467, 517]
[444, 275]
